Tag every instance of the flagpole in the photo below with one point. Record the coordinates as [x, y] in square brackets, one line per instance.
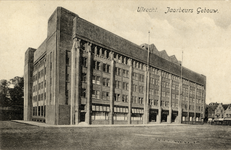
[181, 89]
[146, 116]
[148, 49]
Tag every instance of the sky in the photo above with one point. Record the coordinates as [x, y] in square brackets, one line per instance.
[204, 38]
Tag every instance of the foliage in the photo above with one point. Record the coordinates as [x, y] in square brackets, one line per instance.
[11, 92]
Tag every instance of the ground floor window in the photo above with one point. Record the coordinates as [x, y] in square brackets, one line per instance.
[120, 116]
[99, 116]
[137, 117]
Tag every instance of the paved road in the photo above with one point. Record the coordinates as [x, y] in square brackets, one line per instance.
[20, 136]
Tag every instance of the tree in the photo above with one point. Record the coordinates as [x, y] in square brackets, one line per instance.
[16, 93]
[11, 92]
[4, 93]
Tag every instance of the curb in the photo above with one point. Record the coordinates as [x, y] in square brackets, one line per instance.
[33, 123]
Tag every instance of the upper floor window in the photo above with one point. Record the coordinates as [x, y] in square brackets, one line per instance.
[125, 98]
[125, 73]
[116, 97]
[117, 71]
[95, 94]
[106, 82]
[106, 68]
[84, 77]
[96, 79]
[106, 95]
[141, 89]
[84, 62]
[96, 65]
[134, 88]
[118, 84]
[125, 86]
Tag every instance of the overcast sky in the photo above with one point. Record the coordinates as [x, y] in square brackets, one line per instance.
[205, 38]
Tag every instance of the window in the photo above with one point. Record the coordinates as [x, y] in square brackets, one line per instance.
[151, 91]
[173, 87]
[68, 54]
[133, 99]
[39, 110]
[166, 103]
[135, 76]
[125, 98]
[163, 94]
[167, 85]
[41, 85]
[83, 92]
[151, 102]
[141, 89]
[141, 100]
[156, 102]
[134, 88]
[95, 94]
[125, 73]
[125, 86]
[162, 103]
[118, 71]
[96, 79]
[117, 97]
[167, 94]
[106, 82]
[51, 66]
[84, 62]
[156, 82]
[156, 92]
[106, 68]
[96, 65]
[106, 95]
[84, 77]
[152, 80]
[142, 78]
[118, 84]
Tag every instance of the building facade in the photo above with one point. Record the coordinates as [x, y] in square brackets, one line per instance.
[219, 113]
[83, 73]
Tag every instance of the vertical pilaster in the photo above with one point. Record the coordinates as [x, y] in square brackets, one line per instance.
[147, 92]
[179, 118]
[73, 79]
[37, 92]
[130, 91]
[44, 79]
[145, 120]
[188, 103]
[111, 113]
[204, 100]
[158, 119]
[28, 84]
[194, 117]
[169, 119]
[89, 84]
[78, 79]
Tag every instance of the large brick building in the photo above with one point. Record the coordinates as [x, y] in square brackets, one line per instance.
[83, 73]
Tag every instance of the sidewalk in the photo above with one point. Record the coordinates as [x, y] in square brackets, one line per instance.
[81, 125]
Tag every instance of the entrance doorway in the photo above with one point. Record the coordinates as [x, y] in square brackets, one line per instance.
[152, 115]
[82, 117]
[174, 115]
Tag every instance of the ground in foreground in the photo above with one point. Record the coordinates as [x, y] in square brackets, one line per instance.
[20, 136]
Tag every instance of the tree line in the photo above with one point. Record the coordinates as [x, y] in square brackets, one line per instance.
[11, 92]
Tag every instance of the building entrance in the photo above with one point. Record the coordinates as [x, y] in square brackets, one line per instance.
[174, 115]
[82, 117]
[164, 115]
[152, 115]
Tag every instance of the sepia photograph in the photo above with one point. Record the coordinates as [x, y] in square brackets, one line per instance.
[115, 75]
